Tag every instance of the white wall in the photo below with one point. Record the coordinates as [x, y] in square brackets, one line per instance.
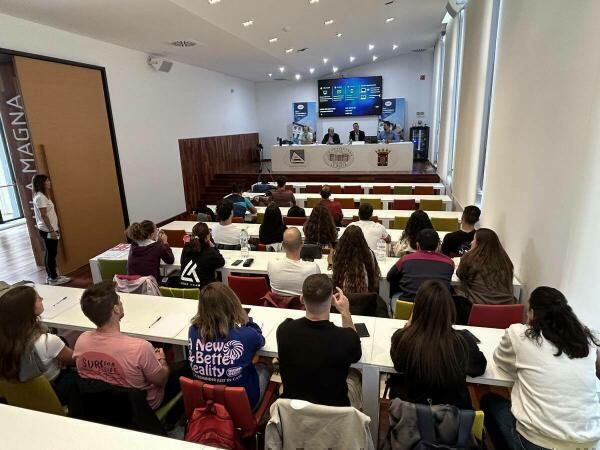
[151, 110]
[400, 79]
[543, 165]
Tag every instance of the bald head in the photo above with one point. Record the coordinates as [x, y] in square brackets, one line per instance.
[292, 241]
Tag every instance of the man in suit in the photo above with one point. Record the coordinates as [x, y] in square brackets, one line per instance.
[356, 134]
[331, 138]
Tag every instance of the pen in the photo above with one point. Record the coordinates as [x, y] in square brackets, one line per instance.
[61, 300]
[155, 322]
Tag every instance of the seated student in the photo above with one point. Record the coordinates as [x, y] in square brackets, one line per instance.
[240, 204]
[281, 196]
[148, 248]
[22, 333]
[226, 233]
[108, 355]
[263, 186]
[458, 242]
[486, 271]
[204, 213]
[418, 220]
[296, 211]
[335, 209]
[287, 274]
[199, 259]
[306, 137]
[223, 341]
[407, 275]
[553, 361]
[432, 358]
[314, 354]
[372, 231]
[355, 269]
[319, 228]
[331, 138]
[272, 228]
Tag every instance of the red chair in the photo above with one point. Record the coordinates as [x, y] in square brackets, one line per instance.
[353, 190]
[249, 290]
[381, 190]
[234, 399]
[274, 300]
[312, 189]
[404, 204]
[335, 189]
[294, 220]
[237, 220]
[262, 247]
[495, 316]
[423, 190]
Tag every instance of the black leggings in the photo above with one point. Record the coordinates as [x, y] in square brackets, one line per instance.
[50, 255]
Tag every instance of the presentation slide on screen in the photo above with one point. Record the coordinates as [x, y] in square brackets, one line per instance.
[360, 96]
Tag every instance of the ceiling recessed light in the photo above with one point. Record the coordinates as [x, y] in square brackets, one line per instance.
[394, 47]
[375, 57]
[335, 69]
[311, 70]
[248, 23]
[297, 76]
[371, 47]
[212, 2]
[289, 50]
[339, 35]
[270, 75]
[273, 40]
[282, 69]
[325, 60]
[389, 19]
[312, 2]
[328, 21]
[352, 58]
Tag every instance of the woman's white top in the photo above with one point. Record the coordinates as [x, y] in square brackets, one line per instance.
[48, 346]
[41, 201]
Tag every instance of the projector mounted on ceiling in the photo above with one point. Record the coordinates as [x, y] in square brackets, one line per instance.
[160, 64]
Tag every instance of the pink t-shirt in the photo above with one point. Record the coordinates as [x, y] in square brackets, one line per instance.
[118, 359]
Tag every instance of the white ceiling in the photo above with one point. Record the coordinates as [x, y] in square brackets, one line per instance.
[224, 45]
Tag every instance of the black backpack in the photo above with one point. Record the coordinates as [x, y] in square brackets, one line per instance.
[429, 440]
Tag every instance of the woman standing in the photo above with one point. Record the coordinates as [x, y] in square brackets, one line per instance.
[46, 221]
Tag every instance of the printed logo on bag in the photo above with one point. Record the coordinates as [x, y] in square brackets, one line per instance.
[382, 157]
[338, 157]
[297, 157]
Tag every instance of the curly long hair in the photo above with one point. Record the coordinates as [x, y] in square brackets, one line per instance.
[352, 260]
[419, 220]
[489, 260]
[320, 228]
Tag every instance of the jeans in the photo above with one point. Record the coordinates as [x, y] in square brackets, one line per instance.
[264, 376]
[50, 255]
[65, 384]
[501, 424]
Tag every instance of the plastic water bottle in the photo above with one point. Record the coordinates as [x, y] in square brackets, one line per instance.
[381, 249]
[245, 250]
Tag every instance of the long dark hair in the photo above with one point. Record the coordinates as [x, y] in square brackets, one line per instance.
[320, 228]
[197, 241]
[39, 183]
[554, 319]
[490, 260]
[351, 260]
[419, 220]
[272, 227]
[434, 352]
[19, 327]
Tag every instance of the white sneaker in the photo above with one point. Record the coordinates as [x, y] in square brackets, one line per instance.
[59, 280]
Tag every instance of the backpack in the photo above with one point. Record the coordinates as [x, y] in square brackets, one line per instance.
[429, 440]
[212, 425]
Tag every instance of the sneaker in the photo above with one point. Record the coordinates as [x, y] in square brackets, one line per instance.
[58, 280]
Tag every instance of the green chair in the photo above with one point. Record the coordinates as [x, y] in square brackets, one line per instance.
[403, 190]
[192, 293]
[431, 205]
[477, 428]
[36, 394]
[399, 223]
[374, 202]
[403, 309]
[444, 223]
[111, 267]
[311, 202]
[260, 217]
[162, 412]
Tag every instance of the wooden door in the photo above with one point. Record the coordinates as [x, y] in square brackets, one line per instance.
[68, 121]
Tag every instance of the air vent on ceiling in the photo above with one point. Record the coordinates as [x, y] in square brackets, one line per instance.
[300, 50]
[419, 50]
[183, 43]
[280, 79]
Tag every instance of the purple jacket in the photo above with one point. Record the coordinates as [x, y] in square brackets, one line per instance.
[145, 260]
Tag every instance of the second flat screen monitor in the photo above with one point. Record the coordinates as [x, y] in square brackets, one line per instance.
[343, 97]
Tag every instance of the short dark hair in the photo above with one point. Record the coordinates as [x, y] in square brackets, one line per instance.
[98, 301]
[387, 122]
[317, 289]
[355, 123]
[325, 191]
[281, 181]
[428, 239]
[365, 211]
[264, 179]
[236, 188]
[471, 215]
[39, 183]
[224, 211]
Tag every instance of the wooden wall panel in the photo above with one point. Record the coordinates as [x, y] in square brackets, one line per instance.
[203, 158]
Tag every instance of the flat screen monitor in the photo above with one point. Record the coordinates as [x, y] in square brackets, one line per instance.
[342, 97]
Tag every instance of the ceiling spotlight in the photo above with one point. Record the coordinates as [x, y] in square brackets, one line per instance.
[289, 50]
[335, 69]
[311, 70]
[297, 76]
[273, 40]
[371, 47]
[312, 2]
[394, 47]
[352, 58]
[389, 19]
[270, 75]
[325, 60]
[328, 21]
[375, 57]
[212, 2]
[248, 23]
[339, 35]
[282, 69]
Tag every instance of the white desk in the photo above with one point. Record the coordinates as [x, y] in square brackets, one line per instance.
[367, 158]
[24, 429]
[298, 185]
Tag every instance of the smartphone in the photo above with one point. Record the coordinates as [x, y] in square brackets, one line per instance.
[475, 338]
[361, 329]
[237, 263]
[248, 262]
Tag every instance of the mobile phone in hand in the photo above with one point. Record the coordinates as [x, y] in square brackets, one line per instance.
[362, 330]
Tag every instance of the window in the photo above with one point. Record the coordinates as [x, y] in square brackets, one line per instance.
[437, 113]
[10, 206]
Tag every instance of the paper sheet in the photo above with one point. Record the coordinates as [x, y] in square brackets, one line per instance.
[169, 325]
[55, 305]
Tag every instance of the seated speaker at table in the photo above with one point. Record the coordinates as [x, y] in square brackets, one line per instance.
[356, 134]
[306, 137]
[331, 138]
[388, 134]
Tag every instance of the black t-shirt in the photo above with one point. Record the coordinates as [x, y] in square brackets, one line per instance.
[457, 243]
[314, 358]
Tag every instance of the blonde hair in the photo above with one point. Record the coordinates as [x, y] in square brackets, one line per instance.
[219, 309]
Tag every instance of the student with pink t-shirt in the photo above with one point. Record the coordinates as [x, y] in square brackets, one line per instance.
[108, 355]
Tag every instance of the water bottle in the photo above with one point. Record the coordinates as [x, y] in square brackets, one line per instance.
[381, 249]
[245, 250]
